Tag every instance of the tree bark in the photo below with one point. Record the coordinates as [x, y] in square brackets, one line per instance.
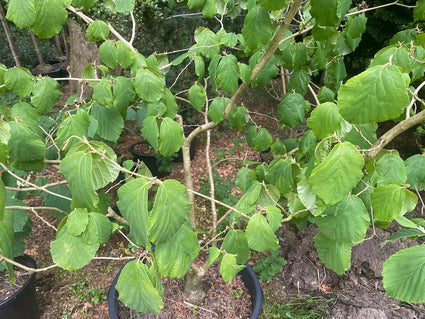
[9, 37]
[37, 48]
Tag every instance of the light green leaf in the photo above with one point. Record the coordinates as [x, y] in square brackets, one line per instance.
[235, 243]
[123, 93]
[229, 268]
[170, 211]
[387, 201]
[19, 80]
[149, 84]
[26, 114]
[362, 135]
[213, 254]
[124, 54]
[389, 169]
[195, 4]
[410, 202]
[73, 125]
[197, 96]
[259, 234]
[238, 118]
[404, 274]
[334, 254]
[181, 249]
[415, 170]
[98, 229]
[375, 95]
[207, 42]
[50, 16]
[2, 199]
[291, 109]
[346, 221]
[110, 123]
[77, 221]
[108, 53]
[244, 178]
[227, 73]
[419, 11]
[140, 288]
[333, 178]
[123, 6]
[102, 93]
[133, 204]
[325, 12]
[7, 241]
[216, 109]
[21, 13]
[170, 137]
[199, 67]
[273, 5]
[355, 26]
[210, 9]
[97, 31]
[150, 131]
[396, 55]
[325, 119]
[299, 82]
[248, 201]
[45, 94]
[258, 28]
[274, 217]
[244, 72]
[71, 252]
[280, 175]
[305, 193]
[84, 4]
[262, 140]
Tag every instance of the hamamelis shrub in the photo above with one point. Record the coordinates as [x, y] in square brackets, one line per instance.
[337, 175]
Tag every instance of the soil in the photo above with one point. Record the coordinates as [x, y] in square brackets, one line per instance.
[7, 290]
[356, 294]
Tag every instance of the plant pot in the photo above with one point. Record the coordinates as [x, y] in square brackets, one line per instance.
[23, 303]
[150, 160]
[248, 277]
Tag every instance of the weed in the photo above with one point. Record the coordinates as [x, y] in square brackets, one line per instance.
[269, 266]
[95, 295]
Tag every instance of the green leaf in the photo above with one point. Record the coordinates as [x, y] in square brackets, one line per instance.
[259, 234]
[280, 175]
[411, 232]
[346, 221]
[291, 110]
[7, 241]
[213, 254]
[229, 268]
[248, 201]
[238, 118]
[404, 274]
[133, 204]
[84, 4]
[333, 178]
[210, 9]
[108, 53]
[170, 211]
[419, 11]
[325, 119]
[123, 93]
[207, 42]
[50, 16]
[383, 89]
[387, 202]
[140, 288]
[269, 71]
[306, 194]
[195, 4]
[216, 109]
[124, 54]
[21, 13]
[19, 80]
[102, 93]
[26, 114]
[355, 26]
[334, 254]
[244, 72]
[2, 199]
[389, 168]
[199, 67]
[415, 170]
[73, 125]
[77, 169]
[258, 28]
[124, 6]
[362, 135]
[235, 243]
[149, 84]
[170, 137]
[227, 73]
[45, 94]
[98, 229]
[71, 252]
[326, 95]
[395, 55]
[273, 5]
[77, 221]
[97, 31]
[274, 217]
[262, 140]
[175, 256]
[325, 12]
[110, 123]
[197, 96]
[150, 131]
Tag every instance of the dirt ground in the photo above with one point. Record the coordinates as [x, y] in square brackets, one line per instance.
[358, 294]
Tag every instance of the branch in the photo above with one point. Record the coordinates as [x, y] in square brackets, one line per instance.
[395, 3]
[29, 269]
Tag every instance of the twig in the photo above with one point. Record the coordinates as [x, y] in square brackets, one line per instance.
[42, 219]
[415, 93]
[396, 3]
[30, 189]
[38, 207]
[29, 269]
[316, 99]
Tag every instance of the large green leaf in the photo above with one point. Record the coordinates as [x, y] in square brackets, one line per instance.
[262, 140]
[149, 84]
[73, 125]
[355, 26]
[280, 174]
[229, 267]
[71, 252]
[419, 11]
[170, 211]
[259, 234]
[325, 119]
[389, 168]
[97, 31]
[404, 274]
[227, 73]
[170, 137]
[375, 95]
[334, 254]
[102, 93]
[21, 13]
[124, 5]
[333, 178]
[346, 221]
[50, 16]
[174, 256]
[387, 201]
[98, 229]
[291, 109]
[415, 170]
[77, 221]
[26, 114]
[19, 80]
[362, 135]
[248, 201]
[140, 288]
[238, 118]
[124, 54]
[133, 204]
[45, 94]
[123, 93]
[273, 4]
[325, 12]
[396, 55]
[206, 43]
[258, 28]
[110, 123]
[197, 95]
[6, 240]
[150, 131]
[236, 243]
[216, 109]
[108, 53]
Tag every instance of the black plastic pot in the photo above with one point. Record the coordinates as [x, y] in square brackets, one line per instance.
[248, 277]
[23, 304]
[150, 160]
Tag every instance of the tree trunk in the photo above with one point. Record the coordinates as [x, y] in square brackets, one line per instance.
[37, 48]
[81, 53]
[9, 37]
[193, 289]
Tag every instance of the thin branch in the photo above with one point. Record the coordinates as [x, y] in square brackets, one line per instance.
[38, 207]
[42, 219]
[30, 189]
[133, 29]
[316, 99]
[415, 93]
[395, 3]
[29, 269]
